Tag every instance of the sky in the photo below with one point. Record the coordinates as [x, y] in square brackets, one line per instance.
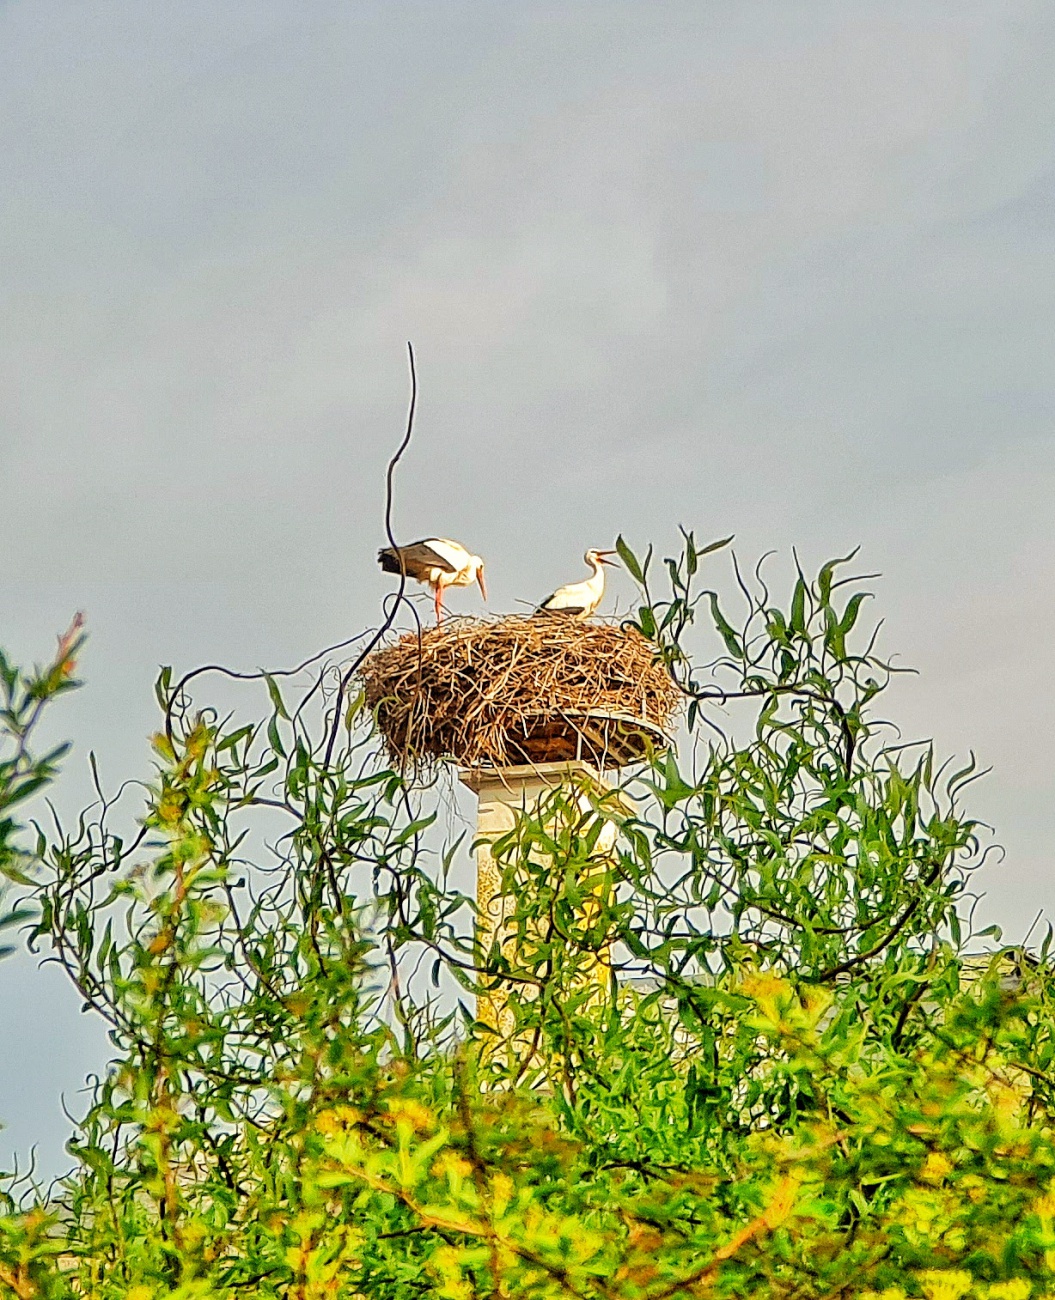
[779, 270]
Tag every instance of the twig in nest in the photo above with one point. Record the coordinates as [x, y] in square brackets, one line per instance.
[517, 690]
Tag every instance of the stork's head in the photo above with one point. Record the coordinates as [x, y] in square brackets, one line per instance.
[478, 568]
[594, 556]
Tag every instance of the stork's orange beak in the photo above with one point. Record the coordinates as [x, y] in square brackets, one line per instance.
[480, 581]
[611, 563]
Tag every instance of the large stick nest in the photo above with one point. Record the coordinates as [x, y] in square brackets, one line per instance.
[525, 689]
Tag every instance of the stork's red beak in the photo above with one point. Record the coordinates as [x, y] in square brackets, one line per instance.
[611, 563]
[480, 581]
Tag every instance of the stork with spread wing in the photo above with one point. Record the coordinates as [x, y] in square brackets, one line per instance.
[437, 563]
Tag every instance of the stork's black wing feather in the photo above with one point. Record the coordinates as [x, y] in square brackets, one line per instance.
[544, 608]
[412, 559]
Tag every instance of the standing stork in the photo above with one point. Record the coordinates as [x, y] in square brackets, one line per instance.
[580, 599]
[437, 563]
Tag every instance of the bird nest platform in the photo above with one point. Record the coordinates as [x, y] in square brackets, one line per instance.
[525, 689]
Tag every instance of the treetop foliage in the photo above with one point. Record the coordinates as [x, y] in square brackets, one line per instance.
[748, 1055]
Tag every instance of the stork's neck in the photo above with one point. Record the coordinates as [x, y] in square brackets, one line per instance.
[595, 582]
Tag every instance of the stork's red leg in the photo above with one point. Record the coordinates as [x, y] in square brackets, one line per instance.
[439, 603]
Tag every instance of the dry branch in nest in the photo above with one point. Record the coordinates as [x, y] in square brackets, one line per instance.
[526, 689]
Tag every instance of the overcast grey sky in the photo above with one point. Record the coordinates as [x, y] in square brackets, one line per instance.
[777, 269]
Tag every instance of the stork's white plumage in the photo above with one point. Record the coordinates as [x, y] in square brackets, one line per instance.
[438, 563]
[580, 599]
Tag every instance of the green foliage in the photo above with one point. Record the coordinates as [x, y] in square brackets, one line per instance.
[739, 1052]
[24, 774]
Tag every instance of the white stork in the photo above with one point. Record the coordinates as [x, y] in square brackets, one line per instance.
[437, 563]
[580, 599]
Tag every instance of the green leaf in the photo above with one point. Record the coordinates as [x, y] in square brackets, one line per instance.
[273, 736]
[16, 917]
[163, 686]
[276, 696]
[335, 1178]
[798, 608]
[415, 828]
[630, 561]
[853, 607]
[824, 578]
[777, 628]
[725, 628]
[714, 546]
[234, 738]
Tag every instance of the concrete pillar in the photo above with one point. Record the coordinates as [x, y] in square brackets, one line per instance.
[502, 794]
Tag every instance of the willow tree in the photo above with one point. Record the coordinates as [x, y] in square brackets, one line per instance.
[785, 1085]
